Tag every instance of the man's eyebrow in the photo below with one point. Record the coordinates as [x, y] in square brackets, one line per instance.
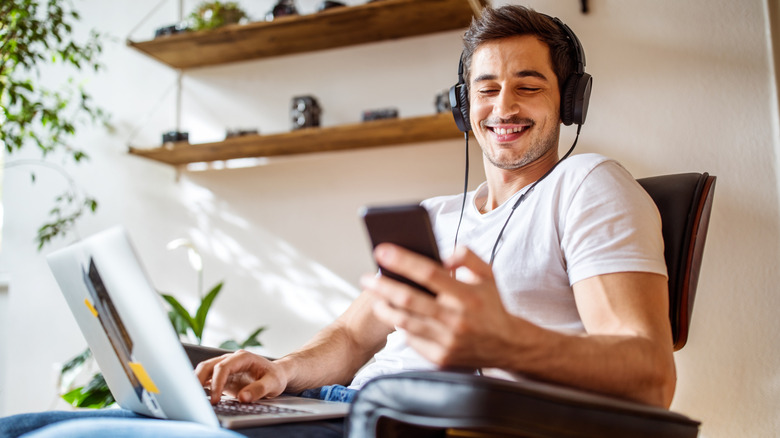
[519, 74]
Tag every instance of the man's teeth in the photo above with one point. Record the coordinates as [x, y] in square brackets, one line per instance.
[505, 131]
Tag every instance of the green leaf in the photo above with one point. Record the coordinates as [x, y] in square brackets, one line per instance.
[251, 340]
[182, 313]
[77, 361]
[74, 397]
[179, 324]
[94, 395]
[205, 306]
[230, 345]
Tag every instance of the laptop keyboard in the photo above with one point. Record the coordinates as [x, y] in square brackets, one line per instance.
[231, 407]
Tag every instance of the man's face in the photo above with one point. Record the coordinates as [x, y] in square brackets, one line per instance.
[514, 101]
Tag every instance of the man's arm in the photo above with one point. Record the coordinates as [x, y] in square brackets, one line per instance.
[333, 356]
[627, 350]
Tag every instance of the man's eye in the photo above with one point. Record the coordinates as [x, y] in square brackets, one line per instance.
[530, 89]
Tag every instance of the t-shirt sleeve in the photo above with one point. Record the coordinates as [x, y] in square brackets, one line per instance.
[611, 225]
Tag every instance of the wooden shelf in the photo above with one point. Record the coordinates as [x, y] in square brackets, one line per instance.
[356, 136]
[337, 27]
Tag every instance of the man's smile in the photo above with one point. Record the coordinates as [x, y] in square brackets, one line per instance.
[508, 133]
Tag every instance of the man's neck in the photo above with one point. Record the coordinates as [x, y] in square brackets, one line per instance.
[503, 184]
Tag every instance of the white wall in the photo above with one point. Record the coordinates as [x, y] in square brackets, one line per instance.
[678, 86]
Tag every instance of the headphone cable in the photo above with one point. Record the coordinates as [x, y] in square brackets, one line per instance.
[465, 190]
[528, 192]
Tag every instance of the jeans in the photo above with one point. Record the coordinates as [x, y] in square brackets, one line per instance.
[335, 393]
[121, 423]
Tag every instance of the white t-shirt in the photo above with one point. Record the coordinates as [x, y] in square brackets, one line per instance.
[588, 217]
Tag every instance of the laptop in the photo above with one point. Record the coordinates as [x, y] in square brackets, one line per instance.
[127, 328]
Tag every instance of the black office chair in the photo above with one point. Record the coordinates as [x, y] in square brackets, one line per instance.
[437, 404]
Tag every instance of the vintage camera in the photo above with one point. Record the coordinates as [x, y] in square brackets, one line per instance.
[329, 4]
[379, 114]
[282, 8]
[232, 133]
[172, 29]
[175, 136]
[305, 112]
[443, 102]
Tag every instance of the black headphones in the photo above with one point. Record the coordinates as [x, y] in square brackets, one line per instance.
[575, 94]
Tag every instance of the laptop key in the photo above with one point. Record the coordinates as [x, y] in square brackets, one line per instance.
[234, 407]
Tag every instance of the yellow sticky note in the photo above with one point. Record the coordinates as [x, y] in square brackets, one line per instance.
[144, 378]
[91, 307]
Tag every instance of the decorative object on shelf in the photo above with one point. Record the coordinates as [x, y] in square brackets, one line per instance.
[231, 133]
[175, 136]
[329, 4]
[305, 112]
[282, 8]
[172, 29]
[443, 102]
[211, 15]
[379, 114]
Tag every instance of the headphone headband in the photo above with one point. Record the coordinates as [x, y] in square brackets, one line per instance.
[580, 53]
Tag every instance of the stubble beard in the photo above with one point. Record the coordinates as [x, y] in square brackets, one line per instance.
[538, 149]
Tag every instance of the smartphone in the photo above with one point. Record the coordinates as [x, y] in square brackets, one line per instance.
[408, 226]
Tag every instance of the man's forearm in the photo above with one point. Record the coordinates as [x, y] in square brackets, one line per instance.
[630, 367]
[337, 352]
[329, 358]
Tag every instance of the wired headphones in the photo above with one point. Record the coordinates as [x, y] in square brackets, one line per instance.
[575, 97]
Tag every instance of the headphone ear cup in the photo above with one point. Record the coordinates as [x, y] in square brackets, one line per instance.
[568, 99]
[582, 98]
[459, 102]
[575, 98]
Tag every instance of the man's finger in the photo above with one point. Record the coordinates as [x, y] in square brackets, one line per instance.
[222, 371]
[463, 257]
[204, 369]
[418, 268]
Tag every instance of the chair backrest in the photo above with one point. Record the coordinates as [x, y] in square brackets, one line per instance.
[685, 203]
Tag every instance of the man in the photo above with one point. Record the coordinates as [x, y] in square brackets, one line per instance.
[559, 274]
[578, 317]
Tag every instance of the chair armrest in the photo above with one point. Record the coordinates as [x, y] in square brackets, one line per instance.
[447, 400]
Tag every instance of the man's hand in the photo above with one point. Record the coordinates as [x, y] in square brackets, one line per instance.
[464, 326]
[243, 375]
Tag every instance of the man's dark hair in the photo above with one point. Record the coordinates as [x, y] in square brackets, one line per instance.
[514, 20]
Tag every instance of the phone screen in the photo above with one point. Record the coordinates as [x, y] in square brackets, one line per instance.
[408, 226]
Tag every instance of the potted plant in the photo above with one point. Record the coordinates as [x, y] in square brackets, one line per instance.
[211, 15]
[34, 33]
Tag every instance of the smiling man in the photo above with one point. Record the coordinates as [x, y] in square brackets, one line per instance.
[559, 267]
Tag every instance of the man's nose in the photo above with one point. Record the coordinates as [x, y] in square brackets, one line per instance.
[506, 104]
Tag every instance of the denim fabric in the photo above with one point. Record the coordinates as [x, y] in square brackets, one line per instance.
[336, 393]
[20, 424]
[129, 428]
[121, 423]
